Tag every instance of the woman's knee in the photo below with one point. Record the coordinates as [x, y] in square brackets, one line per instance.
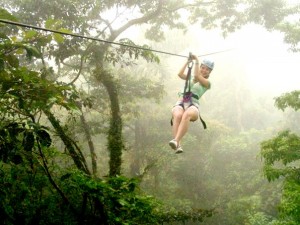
[177, 110]
[186, 116]
[190, 116]
[177, 115]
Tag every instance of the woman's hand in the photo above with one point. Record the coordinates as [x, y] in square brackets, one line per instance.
[194, 57]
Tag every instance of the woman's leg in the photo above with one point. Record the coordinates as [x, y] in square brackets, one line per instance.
[190, 114]
[177, 113]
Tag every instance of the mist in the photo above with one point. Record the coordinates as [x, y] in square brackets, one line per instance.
[86, 122]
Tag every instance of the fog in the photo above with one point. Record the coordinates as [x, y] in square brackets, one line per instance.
[267, 61]
[221, 166]
[261, 56]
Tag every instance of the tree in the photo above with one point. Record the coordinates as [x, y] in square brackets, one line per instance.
[280, 155]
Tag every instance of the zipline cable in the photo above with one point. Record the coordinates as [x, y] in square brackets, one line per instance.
[97, 39]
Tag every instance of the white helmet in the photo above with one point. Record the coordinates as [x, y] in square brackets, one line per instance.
[208, 63]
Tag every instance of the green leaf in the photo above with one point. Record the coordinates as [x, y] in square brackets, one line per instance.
[30, 34]
[3, 36]
[123, 202]
[50, 23]
[4, 14]
[1, 64]
[65, 30]
[20, 51]
[32, 51]
[13, 61]
[58, 38]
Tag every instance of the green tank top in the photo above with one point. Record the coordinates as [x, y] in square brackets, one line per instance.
[197, 89]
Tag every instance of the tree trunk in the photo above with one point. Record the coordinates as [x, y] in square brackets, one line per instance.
[74, 152]
[239, 116]
[139, 134]
[90, 143]
[114, 137]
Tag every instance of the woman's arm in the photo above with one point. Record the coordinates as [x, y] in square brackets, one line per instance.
[203, 81]
[181, 73]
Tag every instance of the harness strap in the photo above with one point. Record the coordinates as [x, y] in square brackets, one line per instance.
[195, 96]
[203, 122]
[188, 78]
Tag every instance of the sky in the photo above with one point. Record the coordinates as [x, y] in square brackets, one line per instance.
[267, 61]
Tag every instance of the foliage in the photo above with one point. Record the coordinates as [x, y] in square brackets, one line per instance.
[291, 30]
[27, 197]
[284, 148]
[259, 219]
[281, 156]
[119, 199]
[291, 100]
[289, 206]
[231, 15]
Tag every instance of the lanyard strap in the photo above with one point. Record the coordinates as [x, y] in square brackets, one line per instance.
[188, 78]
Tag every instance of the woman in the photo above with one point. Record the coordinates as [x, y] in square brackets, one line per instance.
[186, 108]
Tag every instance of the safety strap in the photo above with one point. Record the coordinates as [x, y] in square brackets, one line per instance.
[188, 78]
[203, 122]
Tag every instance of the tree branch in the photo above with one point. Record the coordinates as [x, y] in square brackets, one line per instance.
[79, 72]
[140, 20]
[45, 167]
[184, 6]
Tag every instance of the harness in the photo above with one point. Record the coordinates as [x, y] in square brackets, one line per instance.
[187, 94]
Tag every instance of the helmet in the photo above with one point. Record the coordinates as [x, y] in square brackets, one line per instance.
[210, 64]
